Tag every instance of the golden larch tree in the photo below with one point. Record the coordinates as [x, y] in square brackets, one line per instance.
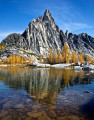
[50, 56]
[66, 54]
[81, 59]
[0, 61]
[25, 59]
[58, 55]
[1, 47]
[21, 60]
[17, 59]
[10, 59]
[41, 58]
[60, 59]
[74, 57]
[89, 59]
[14, 59]
[54, 58]
[30, 60]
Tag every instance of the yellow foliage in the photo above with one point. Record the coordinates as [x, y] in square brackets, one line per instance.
[66, 76]
[17, 59]
[92, 61]
[21, 60]
[25, 59]
[89, 58]
[13, 59]
[66, 54]
[74, 57]
[81, 58]
[60, 59]
[40, 57]
[0, 61]
[30, 60]
[10, 59]
[1, 47]
[54, 58]
[50, 56]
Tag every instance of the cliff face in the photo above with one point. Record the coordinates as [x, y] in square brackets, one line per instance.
[43, 34]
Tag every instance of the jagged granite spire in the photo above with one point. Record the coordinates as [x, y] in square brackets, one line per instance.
[48, 17]
[43, 34]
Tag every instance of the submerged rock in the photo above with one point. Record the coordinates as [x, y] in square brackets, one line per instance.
[19, 106]
[87, 91]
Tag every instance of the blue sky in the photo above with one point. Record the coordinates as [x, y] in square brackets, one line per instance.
[75, 15]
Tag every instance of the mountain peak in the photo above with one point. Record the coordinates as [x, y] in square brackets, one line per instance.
[47, 11]
[48, 16]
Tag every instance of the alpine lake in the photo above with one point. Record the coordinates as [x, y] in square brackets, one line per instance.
[46, 94]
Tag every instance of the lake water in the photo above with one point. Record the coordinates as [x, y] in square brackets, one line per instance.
[46, 94]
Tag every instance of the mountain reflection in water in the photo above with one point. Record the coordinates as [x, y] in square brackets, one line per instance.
[48, 87]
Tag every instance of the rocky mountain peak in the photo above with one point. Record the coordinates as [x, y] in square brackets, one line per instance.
[43, 34]
[47, 16]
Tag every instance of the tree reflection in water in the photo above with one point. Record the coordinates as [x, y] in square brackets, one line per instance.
[44, 86]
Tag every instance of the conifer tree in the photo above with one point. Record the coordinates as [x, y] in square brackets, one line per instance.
[1, 47]
[66, 54]
[13, 59]
[50, 56]
[58, 56]
[54, 58]
[92, 61]
[17, 59]
[41, 57]
[21, 60]
[0, 61]
[89, 58]
[81, 58]
[25, 60]
[74, 57]
[60, 59]
[10, 59]
[30, 60]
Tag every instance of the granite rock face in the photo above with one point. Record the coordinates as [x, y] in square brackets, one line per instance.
[43, 34]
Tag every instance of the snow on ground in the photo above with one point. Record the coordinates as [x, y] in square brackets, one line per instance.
[89, 67]
[60, 65]
[41, 65]
[49, 65]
